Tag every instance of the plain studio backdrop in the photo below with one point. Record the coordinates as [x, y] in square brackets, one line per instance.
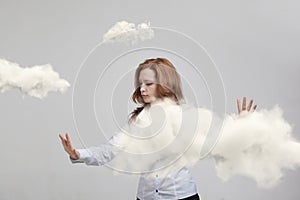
[255, 45]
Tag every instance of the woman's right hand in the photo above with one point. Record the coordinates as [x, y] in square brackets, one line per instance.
[66, 142]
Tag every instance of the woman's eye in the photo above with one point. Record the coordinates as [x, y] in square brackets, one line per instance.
[147, 84]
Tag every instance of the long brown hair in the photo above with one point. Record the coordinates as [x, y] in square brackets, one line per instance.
[168, 83]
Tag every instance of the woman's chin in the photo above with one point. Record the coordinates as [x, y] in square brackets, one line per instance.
[147, 100]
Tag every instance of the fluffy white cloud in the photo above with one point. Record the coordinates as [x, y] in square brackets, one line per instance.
[128, 33]
[34, 81]
[259, 146]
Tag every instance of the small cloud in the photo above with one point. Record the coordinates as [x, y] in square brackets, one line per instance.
[128, 33]
[34, 81]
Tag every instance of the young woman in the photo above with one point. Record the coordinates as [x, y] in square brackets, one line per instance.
[156, 82]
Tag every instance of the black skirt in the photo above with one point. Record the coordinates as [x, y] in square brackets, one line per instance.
[193, 197]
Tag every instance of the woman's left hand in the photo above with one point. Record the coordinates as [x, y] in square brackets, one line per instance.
[242, 109]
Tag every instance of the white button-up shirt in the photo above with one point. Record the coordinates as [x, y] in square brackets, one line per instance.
[177, 185]
[168, 183]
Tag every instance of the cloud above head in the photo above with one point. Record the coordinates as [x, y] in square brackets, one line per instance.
[128, 33]
[258, 146]
[36, 81]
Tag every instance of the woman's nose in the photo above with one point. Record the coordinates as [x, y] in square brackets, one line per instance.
[142, 88]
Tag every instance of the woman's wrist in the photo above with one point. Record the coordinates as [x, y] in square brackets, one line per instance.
[75, 155]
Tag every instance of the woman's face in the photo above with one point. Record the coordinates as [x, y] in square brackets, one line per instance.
[147, 83]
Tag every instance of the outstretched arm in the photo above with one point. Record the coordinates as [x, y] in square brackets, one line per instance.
[66, 142]
[95, 155]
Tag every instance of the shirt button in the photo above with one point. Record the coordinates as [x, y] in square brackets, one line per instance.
[156, 175]
[156, 190]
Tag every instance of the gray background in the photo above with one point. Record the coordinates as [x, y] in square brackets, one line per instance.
[254, 43]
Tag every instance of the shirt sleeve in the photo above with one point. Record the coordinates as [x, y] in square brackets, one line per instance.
[99, 155]
[85, 156]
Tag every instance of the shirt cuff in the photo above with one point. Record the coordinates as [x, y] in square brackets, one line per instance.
[84, 154]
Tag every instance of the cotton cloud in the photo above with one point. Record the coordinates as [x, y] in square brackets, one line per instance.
[259, 146]
[34, 81]
[128, 33]
[167, 137]
[163, 137]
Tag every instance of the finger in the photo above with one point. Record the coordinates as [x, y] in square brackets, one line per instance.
[62, 138]
[250, 105]
[244, 103]
[254, 108]
[68, 141]
[238, 105]
[68, 138]
[63, 141]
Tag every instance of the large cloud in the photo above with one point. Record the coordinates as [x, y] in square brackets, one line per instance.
[34, 81]
[257, 145]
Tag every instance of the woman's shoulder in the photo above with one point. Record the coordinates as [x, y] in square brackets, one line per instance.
[167, 104]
